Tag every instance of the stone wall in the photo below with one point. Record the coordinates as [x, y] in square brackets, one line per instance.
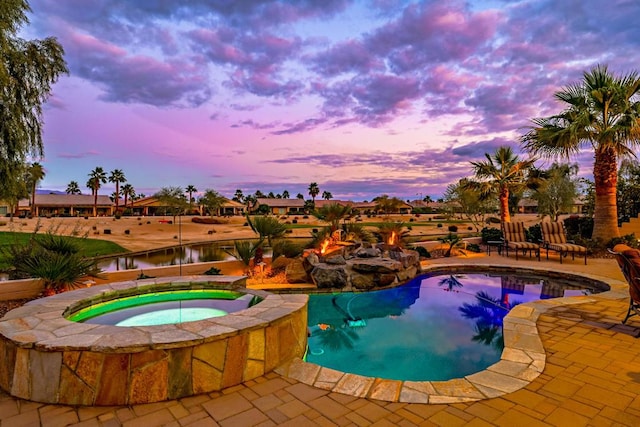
[46, 358]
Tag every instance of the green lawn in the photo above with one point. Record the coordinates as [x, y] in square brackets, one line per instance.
[88, 247]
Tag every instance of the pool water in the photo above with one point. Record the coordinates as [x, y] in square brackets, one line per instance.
[162, 308]
[433, 328]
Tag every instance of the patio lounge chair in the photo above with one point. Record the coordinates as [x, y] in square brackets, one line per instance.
[629, 262]
[515, 238]
[555, 239]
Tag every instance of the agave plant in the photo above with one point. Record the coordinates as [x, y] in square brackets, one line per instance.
[355, 231]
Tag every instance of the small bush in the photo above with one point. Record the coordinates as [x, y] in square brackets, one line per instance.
[628, 239]
[213, 272]
[106, 231]
[287, 248]
[411, 219]
[3, 223]
[534, 233]
[127, 231]
[453, 228]
[199, 220]
[439, 225]
[473, 247]
[578, 226]
[490, 234]
[305, 217]
[117, 216]
[294, 221]
[470, 228]
[492, 220]
[422, 251]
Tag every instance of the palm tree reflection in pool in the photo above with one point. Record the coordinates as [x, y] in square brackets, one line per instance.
[451, 282]
[488, 313]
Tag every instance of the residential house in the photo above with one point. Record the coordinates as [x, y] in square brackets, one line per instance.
[62, 205]
[280, 206]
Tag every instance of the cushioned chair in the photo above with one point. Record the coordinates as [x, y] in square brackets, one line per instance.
[515, 238]
[555, 239]
[629, 262]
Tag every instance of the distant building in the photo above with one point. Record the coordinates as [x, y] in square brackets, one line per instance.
[150, 206]
[280, 206]
[61, 205]
[530, 206]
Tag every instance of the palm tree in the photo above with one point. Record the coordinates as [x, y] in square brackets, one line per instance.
[327, 195]
[35, 173]
[333, 213]
[190, 190]
[602, 111]
[129, 193]
[501, 173]
[285, 194]
[117, 176]
[267, 227]
[300, 196]
[73, 188]
[97, 177]
[314, 190]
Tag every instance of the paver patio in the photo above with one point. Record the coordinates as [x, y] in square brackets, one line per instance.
[591, 377]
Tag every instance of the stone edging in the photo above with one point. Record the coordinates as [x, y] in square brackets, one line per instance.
[523, 358]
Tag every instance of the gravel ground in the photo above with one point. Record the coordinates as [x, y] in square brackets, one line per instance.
[5, 306]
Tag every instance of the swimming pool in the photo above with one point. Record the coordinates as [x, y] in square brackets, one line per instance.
[434, 328]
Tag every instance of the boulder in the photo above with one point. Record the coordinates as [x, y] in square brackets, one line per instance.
[280, 263]
[406, 257]
[336, 260]
[384, 279]
[367, 252]
[376, 265]
[295, 272]
[310, 261]
[362, 281]
[329, 276]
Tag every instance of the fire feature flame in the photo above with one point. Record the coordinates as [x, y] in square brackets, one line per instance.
[324, 246]
[392, 239]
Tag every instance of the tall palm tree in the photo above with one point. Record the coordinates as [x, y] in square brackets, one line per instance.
[73, 188]
[602, 111]
[129, 193]
[190, 190]
[501, 173]
[285, 194]
[97, 177]
[327, 195]
[117, 176]
[314, 190]
[35, 174]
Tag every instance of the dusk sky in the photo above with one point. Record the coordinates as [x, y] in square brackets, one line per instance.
[363, 97]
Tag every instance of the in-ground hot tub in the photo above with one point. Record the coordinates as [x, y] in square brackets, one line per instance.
[48, 358]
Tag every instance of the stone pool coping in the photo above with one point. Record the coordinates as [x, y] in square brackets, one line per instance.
[523, 358]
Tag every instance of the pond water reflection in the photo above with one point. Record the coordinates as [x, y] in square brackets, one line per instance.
[205, 252]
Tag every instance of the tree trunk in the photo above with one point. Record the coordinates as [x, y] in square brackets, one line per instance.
[504, 205]
[95, 204]
[117, 195]
[605, 176]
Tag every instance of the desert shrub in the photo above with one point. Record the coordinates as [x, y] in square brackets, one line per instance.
[439, 225]
[492, 220]
[287, 248]
[534, 233]
[53, 258]
[117, 216]
[490, 234]
[200, 220]
[213, 272]
[578, 226]
[422, 251]
[411, 219]
[474, 247]
[628, 239]
[294, 221]
[453, 228]
[3, 223]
